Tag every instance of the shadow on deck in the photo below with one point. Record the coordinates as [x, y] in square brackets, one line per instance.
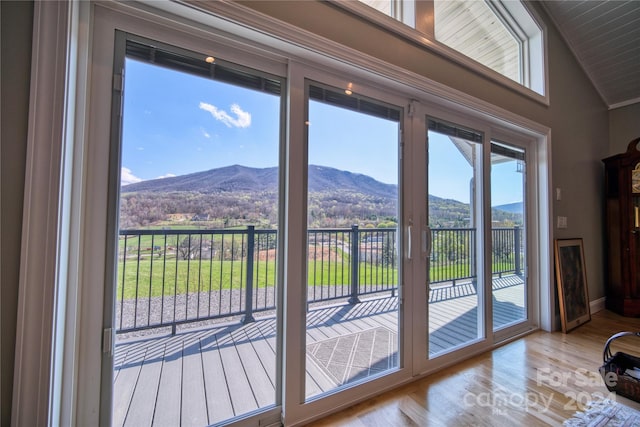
[207, 375]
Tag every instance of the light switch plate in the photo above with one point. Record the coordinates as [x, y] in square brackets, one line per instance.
[562, 222]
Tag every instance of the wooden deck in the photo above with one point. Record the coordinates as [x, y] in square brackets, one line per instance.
[204, 376]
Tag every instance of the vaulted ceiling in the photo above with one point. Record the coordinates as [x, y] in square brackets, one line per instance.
[605, 38]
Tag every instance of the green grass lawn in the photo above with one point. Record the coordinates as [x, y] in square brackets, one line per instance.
[156, 276]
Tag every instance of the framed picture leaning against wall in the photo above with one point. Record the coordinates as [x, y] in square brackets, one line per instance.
[571, 278]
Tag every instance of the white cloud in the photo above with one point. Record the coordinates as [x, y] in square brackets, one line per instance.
[168, 175]
[206, 134]
[127, 177]
[242, 119]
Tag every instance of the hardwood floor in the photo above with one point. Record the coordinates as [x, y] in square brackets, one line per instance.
[539, 380]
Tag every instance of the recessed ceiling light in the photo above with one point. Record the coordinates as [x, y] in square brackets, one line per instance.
[210, 59]
[348, 90]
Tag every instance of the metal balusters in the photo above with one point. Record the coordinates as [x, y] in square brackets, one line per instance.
[352, 262]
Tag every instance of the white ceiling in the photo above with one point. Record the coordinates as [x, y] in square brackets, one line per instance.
[605, 38]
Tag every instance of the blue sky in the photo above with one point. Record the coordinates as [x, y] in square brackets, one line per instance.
[176, 123]
[352, 141]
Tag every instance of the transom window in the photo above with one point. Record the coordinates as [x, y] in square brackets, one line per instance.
[501, 35]
[474, 29]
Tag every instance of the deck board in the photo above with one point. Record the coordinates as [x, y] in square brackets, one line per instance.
[169, 398]
[240, 390]
[194, 404]
[261, 386]
[143, 401]
[207, 375]
[125, 383]
[219, 403]
[265, 353]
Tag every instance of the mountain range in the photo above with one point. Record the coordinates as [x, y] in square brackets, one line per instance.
[246, 195]
[247, 179]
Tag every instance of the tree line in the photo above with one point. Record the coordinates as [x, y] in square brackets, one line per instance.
[326, 209]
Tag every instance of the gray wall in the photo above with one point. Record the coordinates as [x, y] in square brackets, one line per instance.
[16, 27]
[577, 115]
[624, 126]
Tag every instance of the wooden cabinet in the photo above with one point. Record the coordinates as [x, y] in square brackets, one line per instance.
[622, 210]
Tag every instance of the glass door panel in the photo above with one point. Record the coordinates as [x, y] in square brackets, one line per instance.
[508, 231]
[455, 303]
[197, 243]
[353, 255]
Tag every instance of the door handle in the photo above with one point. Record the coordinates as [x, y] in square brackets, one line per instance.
[427, 241]
[408, 242]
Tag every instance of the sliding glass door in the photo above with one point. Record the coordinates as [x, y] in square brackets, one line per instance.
[195, 292]
[455, 291]
[372, 243]
[508, 235]
[353, 256]
[477, 290]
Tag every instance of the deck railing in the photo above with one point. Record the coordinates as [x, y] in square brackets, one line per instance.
[170, 277]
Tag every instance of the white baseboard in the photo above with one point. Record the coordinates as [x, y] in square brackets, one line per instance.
[597, 305]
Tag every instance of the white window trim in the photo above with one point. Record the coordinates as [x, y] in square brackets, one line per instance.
[539, 87]
[54, 381]
[48, 279]
[532, 33]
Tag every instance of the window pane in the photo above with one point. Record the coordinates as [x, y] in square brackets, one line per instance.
[197, 244]
[383, 6]
[455, 307]
[508, 231]
[472, 28]
[352, 259]
[401, 10]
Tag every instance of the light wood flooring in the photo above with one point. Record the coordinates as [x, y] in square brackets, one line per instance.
[539, 380]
